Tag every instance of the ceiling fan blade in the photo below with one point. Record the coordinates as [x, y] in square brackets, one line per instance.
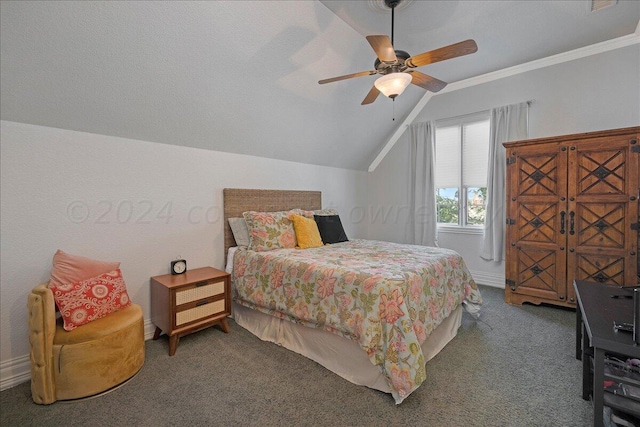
[348, 76]
[426, 82]
[383, 48]
[452, 51]
[371, 96]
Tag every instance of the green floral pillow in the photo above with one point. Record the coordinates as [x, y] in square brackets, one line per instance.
[270, 230]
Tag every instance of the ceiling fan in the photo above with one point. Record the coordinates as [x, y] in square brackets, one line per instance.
[397, 66]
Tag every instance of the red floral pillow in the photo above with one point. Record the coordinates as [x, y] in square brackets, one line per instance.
[87, 300]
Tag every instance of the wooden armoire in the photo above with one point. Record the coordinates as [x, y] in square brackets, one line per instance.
[572, 214]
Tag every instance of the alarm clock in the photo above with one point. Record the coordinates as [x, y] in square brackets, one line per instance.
[178, 266]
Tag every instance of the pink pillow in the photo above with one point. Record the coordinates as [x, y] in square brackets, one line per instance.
[90, 299]
[69, 268]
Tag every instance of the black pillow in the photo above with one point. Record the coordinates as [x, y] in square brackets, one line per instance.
[330, 228]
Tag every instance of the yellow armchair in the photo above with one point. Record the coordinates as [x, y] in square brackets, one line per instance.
[83, 362]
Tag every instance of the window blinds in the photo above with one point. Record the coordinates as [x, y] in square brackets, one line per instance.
[448, 157]
[462, 153]
[475, 153]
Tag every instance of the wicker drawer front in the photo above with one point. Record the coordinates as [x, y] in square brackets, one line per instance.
[199, 312]
[199, 292]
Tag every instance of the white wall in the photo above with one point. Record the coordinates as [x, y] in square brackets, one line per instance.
[593, 93]
[75, 191]
[110, 198]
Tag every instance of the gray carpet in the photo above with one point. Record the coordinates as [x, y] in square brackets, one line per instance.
[516, 369]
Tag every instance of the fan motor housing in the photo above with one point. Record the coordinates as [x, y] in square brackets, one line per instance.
[392, 67]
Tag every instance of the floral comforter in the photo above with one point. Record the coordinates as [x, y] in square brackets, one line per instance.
[386, 296]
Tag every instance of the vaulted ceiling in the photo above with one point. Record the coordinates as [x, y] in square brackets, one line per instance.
[242, 76]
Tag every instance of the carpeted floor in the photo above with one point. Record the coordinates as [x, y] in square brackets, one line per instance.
[515, 368]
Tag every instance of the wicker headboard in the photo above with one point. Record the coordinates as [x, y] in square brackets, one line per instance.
[238, 200]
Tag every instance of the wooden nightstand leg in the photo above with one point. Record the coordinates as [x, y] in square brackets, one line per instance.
[224, 325]
[173, 344]
[157, 333]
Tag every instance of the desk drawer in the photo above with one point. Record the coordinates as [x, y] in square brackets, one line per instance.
[199, 291]
[203, 311]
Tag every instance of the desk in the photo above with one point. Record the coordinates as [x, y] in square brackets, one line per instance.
[595, 315]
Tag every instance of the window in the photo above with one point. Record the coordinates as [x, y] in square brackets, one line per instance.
[462, 155]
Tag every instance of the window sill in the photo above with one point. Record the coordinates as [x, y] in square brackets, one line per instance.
[449, 229]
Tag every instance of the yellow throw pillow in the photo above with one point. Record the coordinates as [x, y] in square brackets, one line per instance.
[307, 232]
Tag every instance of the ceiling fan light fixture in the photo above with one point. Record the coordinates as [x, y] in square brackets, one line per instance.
[393, 84]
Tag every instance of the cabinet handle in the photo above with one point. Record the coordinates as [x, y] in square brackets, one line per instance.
[632, 198]
[562, 214]
[571, 223]
[201, 284]
[198, 304]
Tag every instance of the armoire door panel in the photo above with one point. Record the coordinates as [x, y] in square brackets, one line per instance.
[602, 167]
[601, 171]
[605, 171]
[600, 268]
[539, 173]
[537, 222]
[537, 271]
[601, 225]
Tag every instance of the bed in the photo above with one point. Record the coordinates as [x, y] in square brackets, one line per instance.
[372, 312]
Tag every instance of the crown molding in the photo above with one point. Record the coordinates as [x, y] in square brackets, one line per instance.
[571, 55]
[549, 61]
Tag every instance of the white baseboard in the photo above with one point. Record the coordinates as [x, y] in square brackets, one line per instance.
[150, 328]
[15, 371]
[488, 279]
[18, 370]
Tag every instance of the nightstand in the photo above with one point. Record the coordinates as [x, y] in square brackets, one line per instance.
[186, 303]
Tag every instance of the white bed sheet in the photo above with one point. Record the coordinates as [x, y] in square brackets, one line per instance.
[340, 355]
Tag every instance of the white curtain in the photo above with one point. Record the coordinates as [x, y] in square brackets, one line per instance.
[422, 193]
[509, 123]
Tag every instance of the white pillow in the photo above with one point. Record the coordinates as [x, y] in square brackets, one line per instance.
[240, 231]
[326, 212]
